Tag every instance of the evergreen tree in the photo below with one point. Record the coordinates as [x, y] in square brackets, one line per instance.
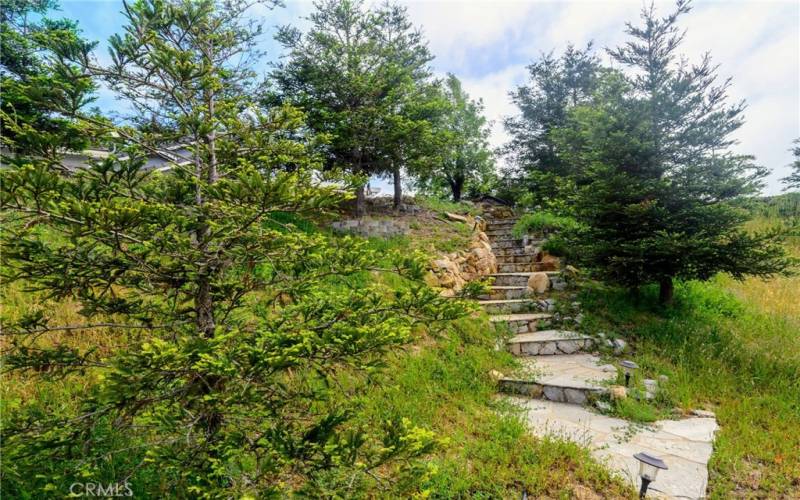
[42, 89]
[355, 73]
[239, 340]
[555, 86]
[793, 179]
[653, 150]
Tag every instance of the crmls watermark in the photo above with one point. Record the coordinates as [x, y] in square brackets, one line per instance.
[101, 490]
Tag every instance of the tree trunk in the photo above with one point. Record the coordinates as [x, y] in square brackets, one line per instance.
[361, 201]
[666, 290]
[398, 188]
[456, 186]
[203, 301]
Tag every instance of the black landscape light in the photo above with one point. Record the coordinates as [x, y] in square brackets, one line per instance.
[648, 470]
[629, 367]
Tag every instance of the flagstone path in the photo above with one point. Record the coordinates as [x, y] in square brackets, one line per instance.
[562, 376]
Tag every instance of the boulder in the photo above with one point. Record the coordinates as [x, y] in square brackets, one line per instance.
[549, 262]
[431, 280]
[538, 282]
[617, 392]
[456, 217]
[441, 264]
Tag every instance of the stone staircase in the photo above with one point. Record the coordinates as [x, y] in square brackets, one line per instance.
[557, 364]
[562, 376]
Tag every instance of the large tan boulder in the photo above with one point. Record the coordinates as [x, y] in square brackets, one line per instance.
[549, 262]
[538, 282]
[441, 264]
[456, 217]
[617, 392]
[477, 254]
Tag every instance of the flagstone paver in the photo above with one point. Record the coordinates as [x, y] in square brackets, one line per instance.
[685, 445]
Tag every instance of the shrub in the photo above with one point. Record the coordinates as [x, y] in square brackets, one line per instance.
[544, 222]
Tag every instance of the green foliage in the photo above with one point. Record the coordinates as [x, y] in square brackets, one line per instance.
[555, 86]
[245, 336]
[793, 179]
[785, 206]
[544, 222]
[42, 88]
[361, 75]
[460, 159]
[441, 206]
[656, 184]
[557, 245]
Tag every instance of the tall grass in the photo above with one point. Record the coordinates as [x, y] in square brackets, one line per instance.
[733, 348]
[441, 206]
[444, 385]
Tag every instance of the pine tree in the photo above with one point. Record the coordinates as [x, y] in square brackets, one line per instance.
[555, 86]
[42, 89]
[356, 73]
[239, 340]
[653, 151]
[793, 179]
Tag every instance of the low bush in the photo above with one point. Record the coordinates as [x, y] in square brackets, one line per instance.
[544, 222]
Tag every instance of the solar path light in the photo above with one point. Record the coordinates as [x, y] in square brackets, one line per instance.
[629, 366]
[648, 470]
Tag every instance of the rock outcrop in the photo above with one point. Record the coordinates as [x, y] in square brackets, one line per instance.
[452, 271]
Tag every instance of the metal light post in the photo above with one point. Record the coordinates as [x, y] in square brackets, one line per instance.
[629, 366]
[648, 470]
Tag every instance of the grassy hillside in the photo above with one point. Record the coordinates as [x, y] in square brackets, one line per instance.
[440, 385]
[731, 347]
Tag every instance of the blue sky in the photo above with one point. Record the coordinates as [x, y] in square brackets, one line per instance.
[488, 43]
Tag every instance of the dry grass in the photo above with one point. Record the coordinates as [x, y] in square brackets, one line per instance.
[777, 296]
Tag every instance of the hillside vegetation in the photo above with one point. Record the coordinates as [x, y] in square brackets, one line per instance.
[471, 444]
[732, 347]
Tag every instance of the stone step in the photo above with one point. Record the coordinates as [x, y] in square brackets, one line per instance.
[505, 292]
[549, 343]
[523, 257]
[685, 445]
[522, 322]
[507, 306]
[500, 223]
[517, 279]
[525, 267]
[515, 268]
[515, 251]
[564, 378]
[509, 245]
[499, 234]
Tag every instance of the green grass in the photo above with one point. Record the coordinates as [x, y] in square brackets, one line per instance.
[543, 222]
[441, 206]
[724, 355]
[444, 385]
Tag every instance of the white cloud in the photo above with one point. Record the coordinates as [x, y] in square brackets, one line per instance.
[488, 44]
[493, 89]
[457, 31]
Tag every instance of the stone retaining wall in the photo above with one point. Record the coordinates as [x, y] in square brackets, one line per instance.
[452, 271]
